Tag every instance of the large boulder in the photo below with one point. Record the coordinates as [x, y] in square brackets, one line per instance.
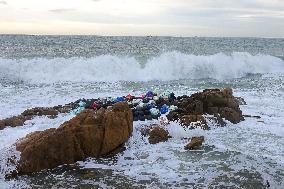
[89, 134]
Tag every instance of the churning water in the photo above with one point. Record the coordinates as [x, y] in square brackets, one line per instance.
[52, 70]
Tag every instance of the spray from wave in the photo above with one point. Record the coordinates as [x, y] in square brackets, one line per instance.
[110, 68]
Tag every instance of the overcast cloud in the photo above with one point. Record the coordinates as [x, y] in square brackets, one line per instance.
[252, 18]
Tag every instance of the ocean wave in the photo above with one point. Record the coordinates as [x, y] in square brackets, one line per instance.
[110, 68]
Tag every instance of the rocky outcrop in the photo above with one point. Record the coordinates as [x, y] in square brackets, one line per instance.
[28, 114]
[195, 143]
[215, 102]
[158, 134]
[89, 134]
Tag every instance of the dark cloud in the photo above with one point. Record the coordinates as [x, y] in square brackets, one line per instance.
[61, 10]
[3, 2]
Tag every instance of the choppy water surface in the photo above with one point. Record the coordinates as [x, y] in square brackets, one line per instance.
[47, 71]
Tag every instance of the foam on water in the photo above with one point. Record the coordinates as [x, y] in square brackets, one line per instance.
[234, 156]
[166, 67]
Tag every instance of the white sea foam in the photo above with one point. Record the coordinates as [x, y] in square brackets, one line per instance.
[228, 152]
[109, 68]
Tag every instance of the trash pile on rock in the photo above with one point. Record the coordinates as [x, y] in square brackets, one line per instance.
[184, 109]
[102, 125]
[191, 111]
[145, 107]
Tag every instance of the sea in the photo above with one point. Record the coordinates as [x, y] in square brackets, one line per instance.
[44, 71]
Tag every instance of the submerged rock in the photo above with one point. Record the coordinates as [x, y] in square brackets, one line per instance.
[195, 143]
[157, 135]
[89, 134]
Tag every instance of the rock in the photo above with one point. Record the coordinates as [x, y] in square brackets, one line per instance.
[212, 110]
[227, 92]
[89, 174]
[231, 115]
[146, 129]
[186, 120]
[158, 135]
[217, 120]
[89, 134]
[15, 121]
[194, 121]
[241, 101]
[2, 124]
[50, 112]
[195, 107]
[210, 101]
[40, 111]
[195, 143]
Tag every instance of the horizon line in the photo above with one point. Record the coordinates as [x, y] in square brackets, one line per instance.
[96, 35]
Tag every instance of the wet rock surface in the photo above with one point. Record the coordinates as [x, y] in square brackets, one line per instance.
[188, 110]
[101, 126]
[158, 134]
[210, 101]
[51, 112]
[195, 143]
[89, 134]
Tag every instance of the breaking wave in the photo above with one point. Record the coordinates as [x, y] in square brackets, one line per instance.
[111, 68]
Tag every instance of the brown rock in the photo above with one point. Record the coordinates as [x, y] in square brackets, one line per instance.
[2, 124]
[145, 131]
[40, 111]
[173, 115]
[231, 115]
[30, 113]
[15, 121]
[194, 121]
[195, 143]
[158, 135]
[89, 134]
[201, 122]
[195, 107]
[232, 103]
[216, 99]
[186, 120]
[227, 92]
[227, 104]
[213, 110]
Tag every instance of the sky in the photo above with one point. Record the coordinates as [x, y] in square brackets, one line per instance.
[209, 18]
